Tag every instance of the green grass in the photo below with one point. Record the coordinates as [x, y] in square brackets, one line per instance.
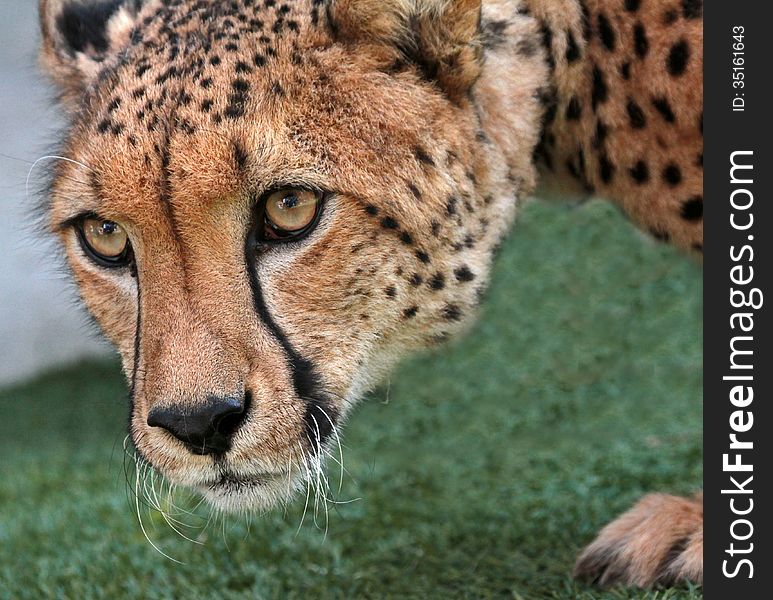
[482, 468]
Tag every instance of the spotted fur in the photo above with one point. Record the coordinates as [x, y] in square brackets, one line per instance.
[419, 121]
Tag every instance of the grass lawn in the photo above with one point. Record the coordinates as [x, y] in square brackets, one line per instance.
[481, 469]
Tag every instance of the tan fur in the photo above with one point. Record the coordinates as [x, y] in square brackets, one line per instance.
[652, 199]
[418, 118]
[659, 541]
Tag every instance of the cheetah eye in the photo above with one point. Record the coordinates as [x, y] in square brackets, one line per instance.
[290, 213]
[105, 242]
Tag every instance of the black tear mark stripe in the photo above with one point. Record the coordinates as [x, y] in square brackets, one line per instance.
[306, 382]
[136, 357]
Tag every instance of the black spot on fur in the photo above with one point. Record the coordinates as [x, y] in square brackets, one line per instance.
[600, 135]
[527, 47]
[606, 33]
[635, 115]
[573, 109]
[422, 156]
[632, 5]
[406, 238]
[600, 92]
[494, 33]
[233, 111]
[664, 108]
[389, 223]
[547, 41]
[437, 282]
[371, 210]
[581, 164]
[422, 256]
[451, 312]
[606, 169]
[242, 67]
[640, 172]
[692, 209]
[390, 291]
[547, 98]
[464, 274]
[240, 85]
[625, 71]
[572, 49]
[415, 191]
[660, 235]
[678, 57]
[240, 155]
[410, 312]
[170, 73]
[692, 9]
[542, 153]
[672, 175]
[670, 17]
[416, 280]
[640, 42]
[572, 168]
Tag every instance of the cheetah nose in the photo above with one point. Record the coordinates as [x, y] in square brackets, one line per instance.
[206, 428]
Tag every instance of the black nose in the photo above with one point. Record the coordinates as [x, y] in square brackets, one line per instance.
[206, 428]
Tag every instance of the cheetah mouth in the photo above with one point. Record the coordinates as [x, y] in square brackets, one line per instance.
[236, 492]
[236, 482]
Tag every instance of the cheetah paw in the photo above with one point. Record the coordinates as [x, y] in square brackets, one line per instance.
[658, 542]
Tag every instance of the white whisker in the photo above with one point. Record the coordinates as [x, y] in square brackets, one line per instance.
[308, 488]
[340, 450]
[49, 157]
[142, 526]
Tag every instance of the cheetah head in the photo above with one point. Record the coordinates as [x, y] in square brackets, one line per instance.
[265, 204]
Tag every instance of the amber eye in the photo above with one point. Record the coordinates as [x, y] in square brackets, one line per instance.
[105, 242]
[290, 213]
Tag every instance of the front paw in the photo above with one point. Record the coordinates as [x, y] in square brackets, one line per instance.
[659, 542]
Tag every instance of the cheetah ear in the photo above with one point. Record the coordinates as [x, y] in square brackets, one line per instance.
[78, 36]
[440, 37]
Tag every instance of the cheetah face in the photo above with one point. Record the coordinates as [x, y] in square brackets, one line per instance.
[266, 204]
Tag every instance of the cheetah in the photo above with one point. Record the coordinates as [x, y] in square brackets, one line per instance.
[267, 203]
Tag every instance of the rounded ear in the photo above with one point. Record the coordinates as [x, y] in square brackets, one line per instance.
[441, 37]
[78, 36]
